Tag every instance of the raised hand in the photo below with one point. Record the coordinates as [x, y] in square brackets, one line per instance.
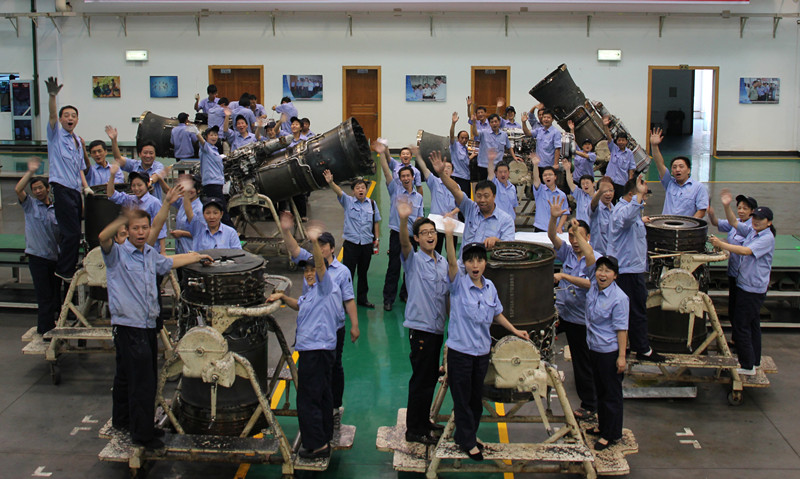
[535, 159]
[574, 227]
[557, 207]
[437, 162]
[111, 132]
[455, 117]
[403, 209]
[473, 118]
[114, 169]
[52, 86]
[571, 125]
[174, 193]
[641, 186]
[656, 136]
[328, 176]
[606, 120]
[501, 102]
[449, 225]
[196, 96]
[726, 196]
[314, 230]
[524, 116]
[226, 110]
[378, 147]
[469, 100]
[33, 164]
[287, 221]
[565, 163]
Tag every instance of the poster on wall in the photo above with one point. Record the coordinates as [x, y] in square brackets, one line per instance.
[303, 87]
[426, 87]
[164, 87]
[106, 87]
[759, 90]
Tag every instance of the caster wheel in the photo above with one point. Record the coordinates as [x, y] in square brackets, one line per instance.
[735, 398]
[55, 374]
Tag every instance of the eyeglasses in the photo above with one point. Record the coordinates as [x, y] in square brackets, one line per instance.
[427, 233]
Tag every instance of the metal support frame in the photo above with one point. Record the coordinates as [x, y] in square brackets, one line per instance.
[124, 20]
[197, 23]
[506, 24]
[87, 20]
[431, 24]
[272, 20]
[350, 24]
[588, 25]
[55, 25]
[742, 22]
[661, 20]
[15, 23]
[775, 22]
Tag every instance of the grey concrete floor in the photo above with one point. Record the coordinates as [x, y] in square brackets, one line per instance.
[47, 429]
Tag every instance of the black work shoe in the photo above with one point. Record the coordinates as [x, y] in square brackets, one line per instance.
[154, 445]
[653, 357]
[318, 454]
[387, 306]
[599, 446]
[158, 432]
[366, 304]
[436, 427]
[421, 438]
[478, 456]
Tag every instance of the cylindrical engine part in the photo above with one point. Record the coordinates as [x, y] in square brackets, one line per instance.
[428, 143]
[559, 93]
[666, 234]
[99, 212]
[236, 404]
[517, 270]
[673, 233]
[158, 129]
[235, 278]
[343, 150]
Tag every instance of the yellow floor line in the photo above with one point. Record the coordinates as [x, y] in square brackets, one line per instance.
[502, 432]
[241, 473]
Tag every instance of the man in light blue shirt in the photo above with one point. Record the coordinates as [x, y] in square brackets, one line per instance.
[600, 214]
[582, 192]
[147, 163]
[460, 156]
[216, 113]
[401, 188]
[241, 136]
[244, 110]
[205, 104]
[684, 196]
[361, 232]
[65, 155]
[494, 142]
[41, 245]
[548, 139]
[621, 164]
[287, 109]
[100, 171]
[544, 195]
[131, 269]
[477, 118]
[405, 160]
[484, 222]
[183, 140]
[627, 241]
[425, 315]
[212, 169]
[506, 198]
[509, 120]
[573, 282]
[442, 201]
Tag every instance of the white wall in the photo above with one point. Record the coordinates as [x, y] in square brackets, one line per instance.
[403, 45]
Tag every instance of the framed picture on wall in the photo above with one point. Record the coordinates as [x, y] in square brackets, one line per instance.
[164, 87]
[106, 87]
[426, 87]
[759, 90]
[303, 87]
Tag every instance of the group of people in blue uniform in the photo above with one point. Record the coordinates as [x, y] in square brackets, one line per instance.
[601, 291]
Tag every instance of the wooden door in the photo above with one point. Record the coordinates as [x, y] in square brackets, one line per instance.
[488, 83]
[233, 80]
[361, 91]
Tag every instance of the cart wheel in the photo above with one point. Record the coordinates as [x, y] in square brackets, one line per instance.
[55, 374]
[735, 398]
[292, 266]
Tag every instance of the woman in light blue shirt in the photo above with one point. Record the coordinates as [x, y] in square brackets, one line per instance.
[755, 266]
[474, 305]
